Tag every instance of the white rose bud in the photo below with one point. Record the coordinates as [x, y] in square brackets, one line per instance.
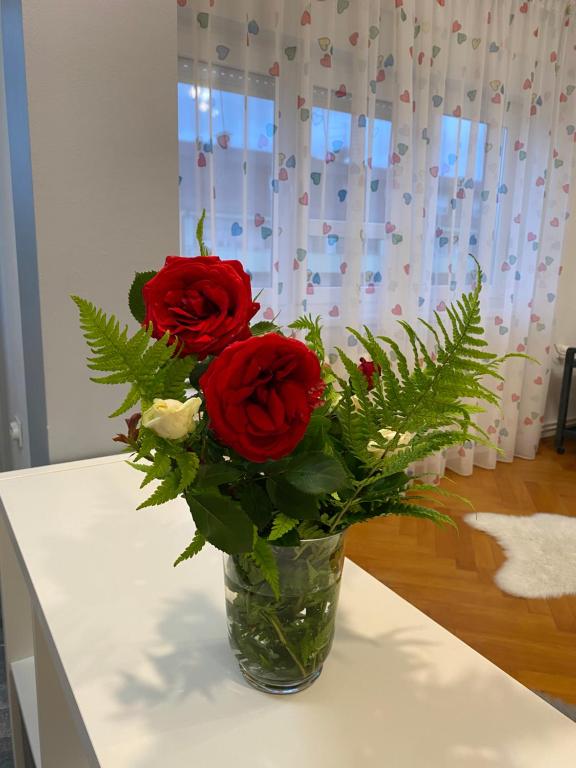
[389, 434]
[171, 419]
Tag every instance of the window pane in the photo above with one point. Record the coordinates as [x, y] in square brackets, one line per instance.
[238, 113]
[235, 121]
[461, 177]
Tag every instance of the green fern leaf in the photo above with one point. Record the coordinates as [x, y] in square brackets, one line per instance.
[313, 333]
[158, 469]
[171, 380]
[281, 525]
[192, 549]
[416, 510]
[437, 489]
[188, 465]
[149, 366]
[129, 401]
[166, 491]
[263, 557]
[200, 234]
[309, 530]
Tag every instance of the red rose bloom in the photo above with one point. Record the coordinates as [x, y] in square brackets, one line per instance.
[260, 394]
[369, 368]
[204, 303]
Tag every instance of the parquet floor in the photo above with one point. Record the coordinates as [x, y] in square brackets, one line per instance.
[448, 574]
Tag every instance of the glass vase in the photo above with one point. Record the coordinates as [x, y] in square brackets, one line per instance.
[282, 642]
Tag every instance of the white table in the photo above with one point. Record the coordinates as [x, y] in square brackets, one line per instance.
[118, 660]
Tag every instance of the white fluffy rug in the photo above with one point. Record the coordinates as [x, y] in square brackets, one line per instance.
[540, 551]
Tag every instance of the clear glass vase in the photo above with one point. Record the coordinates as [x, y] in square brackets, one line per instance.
[282, 643]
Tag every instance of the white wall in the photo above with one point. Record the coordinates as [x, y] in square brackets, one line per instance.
[565, 321]
[102, 108]
[102, 104]
[12, 387]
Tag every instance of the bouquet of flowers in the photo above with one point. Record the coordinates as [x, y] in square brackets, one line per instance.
[274, 450]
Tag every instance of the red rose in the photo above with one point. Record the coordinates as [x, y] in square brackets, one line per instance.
[204, 303]
[369, 368]
[260, 394]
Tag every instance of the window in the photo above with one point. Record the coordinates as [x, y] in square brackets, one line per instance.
[238, 115]
[238, 111]
[460, 178]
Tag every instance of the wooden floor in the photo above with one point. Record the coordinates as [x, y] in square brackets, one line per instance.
[448, 574]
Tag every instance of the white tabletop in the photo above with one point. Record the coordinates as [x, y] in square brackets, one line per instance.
[144, 650]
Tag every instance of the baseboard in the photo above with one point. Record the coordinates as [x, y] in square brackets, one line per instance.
[549, 429]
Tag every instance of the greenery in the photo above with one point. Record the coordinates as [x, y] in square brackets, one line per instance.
[283, 636]
[276, 520]
[152, 370]
[346, 469]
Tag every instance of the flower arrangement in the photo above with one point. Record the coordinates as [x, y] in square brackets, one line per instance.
[270, 446]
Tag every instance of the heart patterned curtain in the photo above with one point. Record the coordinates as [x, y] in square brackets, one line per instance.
[352, 153]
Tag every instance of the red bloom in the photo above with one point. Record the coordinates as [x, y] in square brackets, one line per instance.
[204, 303]
[369, 368]
[260, 394]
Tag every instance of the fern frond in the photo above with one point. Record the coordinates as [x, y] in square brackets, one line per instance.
[435, 393]
[148, 365]
[171, 379]
[400, 459]
[129, 401]
[200, 234]
[416, 510]
[309, 530]
[192, 549]
[356, 433]
[437, 489]
[166, 491]
[188, 464]
[281, 525]
[263, 557]
[359, 387]
[313, 333]
[157, 469]
[434, 400]
[401, 361]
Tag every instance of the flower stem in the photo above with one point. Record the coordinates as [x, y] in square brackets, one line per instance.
[286, 644]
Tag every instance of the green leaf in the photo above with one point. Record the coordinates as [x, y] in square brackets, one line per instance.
[386, 485]
[257, 504]
[135, 297]
[213, 475]
[290, 539]
[200, 234]
[434, 398]
[436, 489]
[309, 530]
[188, 465]
[222, 521]
[129, 401]
[264, 326]
[198, 371]
[149, 366]
[166, 491]
[192, 549]
[292, 501]
[263, 556]
[316, 473]
[315, 438]
[281, 525]
[158, 469]
[416, 510]
[313, 333]
[140, 467]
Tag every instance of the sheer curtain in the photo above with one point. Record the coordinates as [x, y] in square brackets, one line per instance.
[352, 153]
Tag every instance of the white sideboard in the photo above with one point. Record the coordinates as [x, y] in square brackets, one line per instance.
[118, 660]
